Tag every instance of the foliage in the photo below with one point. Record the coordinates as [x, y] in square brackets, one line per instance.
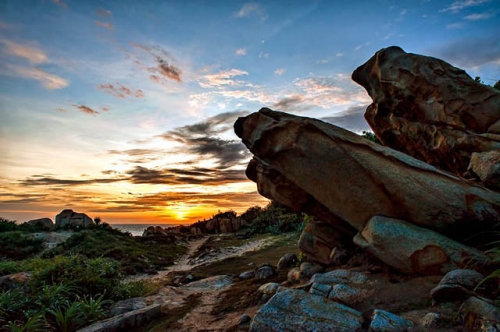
[274, 218]
[17, 245]
[497, 85]
[370, 136]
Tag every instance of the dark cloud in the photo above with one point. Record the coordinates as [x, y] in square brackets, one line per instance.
[292, 104]
[192, 176]
[202, 139]
[470, 52]
[21, 198]
[164, 65]
[120, 91]
[36, 180]
[351, 119]
[86, 109]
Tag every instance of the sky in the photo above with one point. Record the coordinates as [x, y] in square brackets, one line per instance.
[124, 109]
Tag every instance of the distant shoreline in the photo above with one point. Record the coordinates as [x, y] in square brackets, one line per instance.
[138, 229]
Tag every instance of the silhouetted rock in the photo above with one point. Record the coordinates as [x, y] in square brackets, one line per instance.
[42, 223]
[73, 219]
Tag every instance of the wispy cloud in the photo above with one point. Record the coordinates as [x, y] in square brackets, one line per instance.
[248, 9]
[29, 52]
[164, 66]
[479, 16]
[279, 71]
[48, 81]
[461, 4]
[222, 78]
[106, 25]
[120, 91]
[458, 25]
[470, 52]
[104, 13]
[86, 109]
[241, 51]
[352, 119]
[37, 180]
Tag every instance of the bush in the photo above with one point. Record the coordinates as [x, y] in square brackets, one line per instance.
[16, 245]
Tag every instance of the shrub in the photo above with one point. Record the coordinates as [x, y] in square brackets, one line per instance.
[16, 245]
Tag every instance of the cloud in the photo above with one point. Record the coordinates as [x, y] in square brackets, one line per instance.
[120, 91]
[458, 25]
[351, 119]
[292, 104]
[222, 78]
[48, 81]
[459, 5]
[60, 3]
[163, 67]
[478, 17]
[29, 52]
[104, 13]
[40, 180]
[241, 51]
[86, 109]
[248, 9]
[106, 25]
[62, 110]
[470, 52]
[202, 139]
[279, 71]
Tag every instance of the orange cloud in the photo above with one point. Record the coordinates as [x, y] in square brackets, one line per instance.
[120, 91]
[48, 81]
[106, 25]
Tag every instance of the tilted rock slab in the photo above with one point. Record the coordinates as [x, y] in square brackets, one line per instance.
[353, 179]
[412, 249]
[295, 310]
[429, 109]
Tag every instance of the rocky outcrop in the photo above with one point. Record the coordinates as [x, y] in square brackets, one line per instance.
[429, 109]
[295, 310]
[73, 219]
[485, 166]
[412, 249]
[355, 179]
[42, 223]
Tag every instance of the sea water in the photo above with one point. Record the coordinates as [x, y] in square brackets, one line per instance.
[138, 229]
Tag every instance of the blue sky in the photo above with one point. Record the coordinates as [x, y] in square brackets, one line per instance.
[124, 109]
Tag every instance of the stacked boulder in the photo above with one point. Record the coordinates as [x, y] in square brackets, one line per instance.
[73, 219]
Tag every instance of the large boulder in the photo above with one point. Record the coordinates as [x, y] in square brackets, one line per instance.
[73, 219]
[415, 250]
[42, 223]
[295, 310]
[429, 109]
[353, 179]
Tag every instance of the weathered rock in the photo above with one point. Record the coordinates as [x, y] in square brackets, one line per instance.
[270, 288]
[126, 321]
[422, 251]
[384, 321]
[70, 218]
[319, 242]
[295, 310]
[455, 284]
[265, 271]
[430, 321]
[318, 158]
[480, 313]
[339, 277]
[127, 305]
[288, 260]
[486, 166]
[320, 289]
[42, 223]
[347, 295]
[247, 275]
[429, 109]
[308, 269]
[294, 275]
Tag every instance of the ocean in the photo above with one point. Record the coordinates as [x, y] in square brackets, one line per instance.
[138, 229]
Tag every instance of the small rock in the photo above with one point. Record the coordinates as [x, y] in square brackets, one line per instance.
[347, 295]
[430, 320]
[293, 275]
[384, 321]
[247, 275]
[287, 261]
[339, 277]
[265, 271]
[127, 305]
[14, 280]
[309, 269]
[320, 290]
[454, 285]
[270, 288]
[480, 312]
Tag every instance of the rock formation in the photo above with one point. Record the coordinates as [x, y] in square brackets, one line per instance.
[70, 218]
[42, 223]
[345, 180]
[429, 109]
